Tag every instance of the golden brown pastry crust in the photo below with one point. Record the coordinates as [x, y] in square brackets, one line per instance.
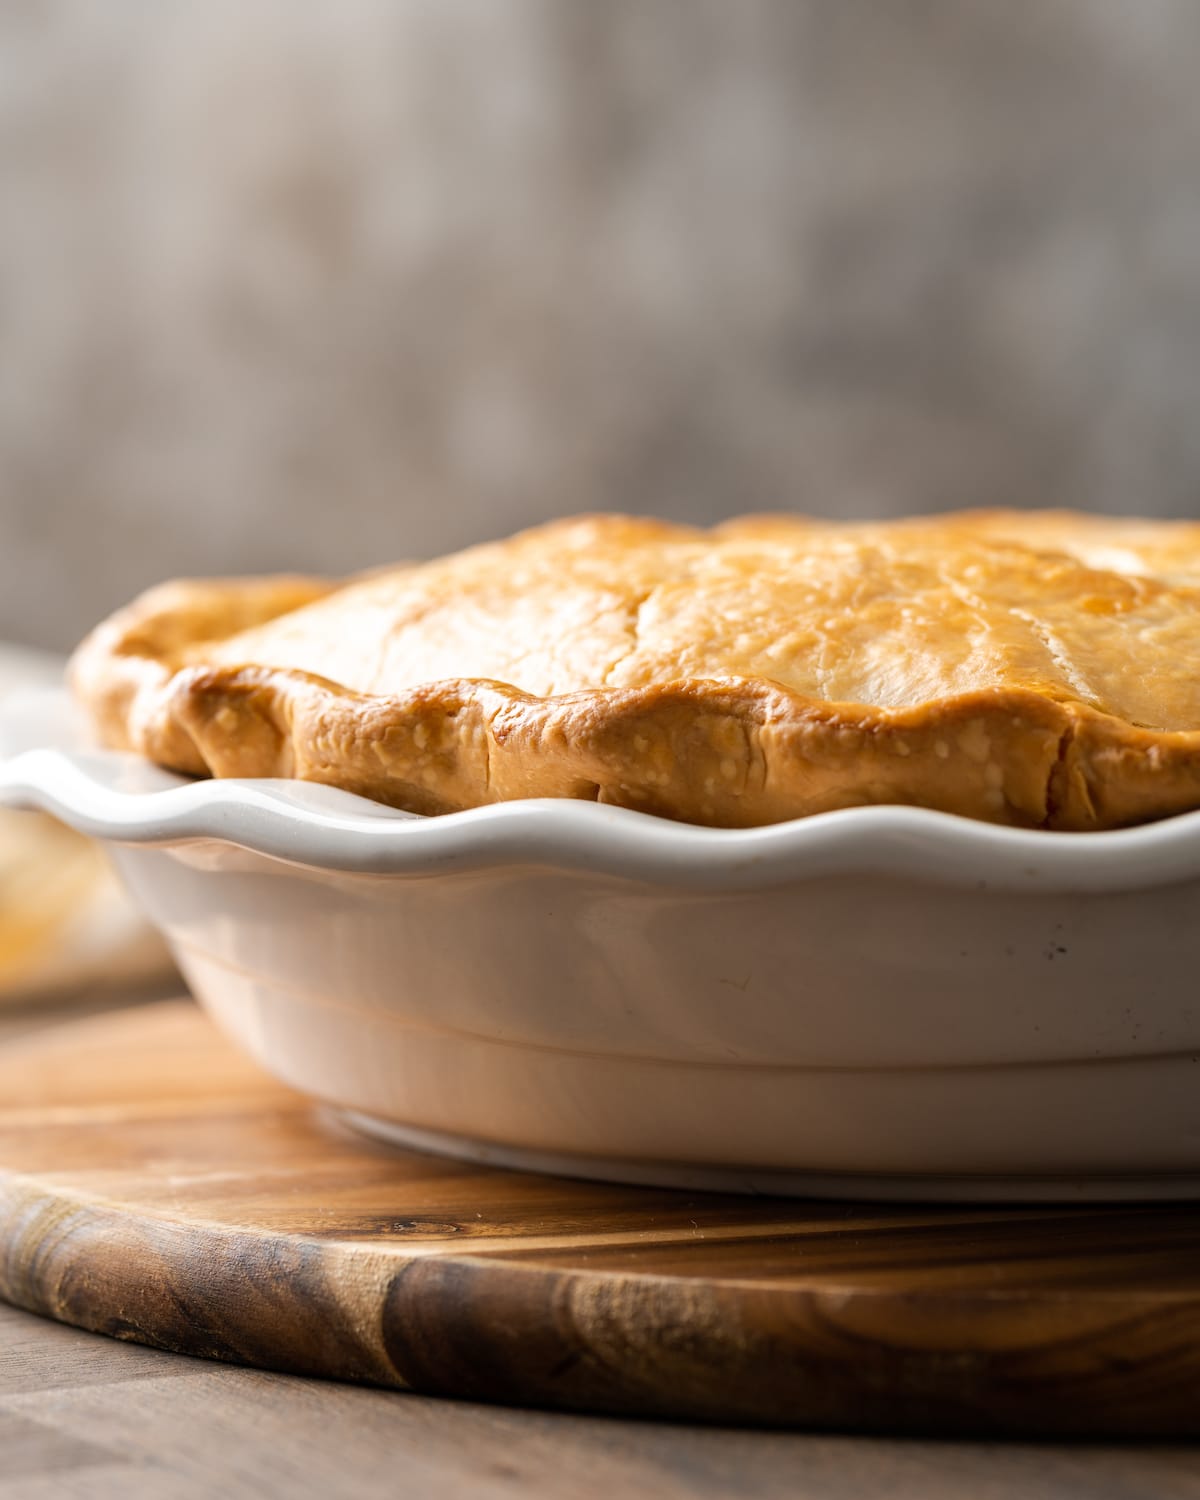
[1037, 669]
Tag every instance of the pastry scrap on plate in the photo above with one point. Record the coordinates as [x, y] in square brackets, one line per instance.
[65, 923]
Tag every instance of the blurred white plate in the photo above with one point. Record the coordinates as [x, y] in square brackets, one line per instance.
[66, 925]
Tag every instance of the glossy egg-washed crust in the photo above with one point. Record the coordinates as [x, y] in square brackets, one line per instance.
[1037, 669]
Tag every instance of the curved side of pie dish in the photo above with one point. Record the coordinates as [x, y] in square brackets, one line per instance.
[1032, 670]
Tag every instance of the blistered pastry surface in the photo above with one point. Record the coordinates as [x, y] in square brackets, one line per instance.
[1032, 668]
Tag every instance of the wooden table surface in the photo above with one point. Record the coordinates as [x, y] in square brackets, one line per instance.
[85, 1416]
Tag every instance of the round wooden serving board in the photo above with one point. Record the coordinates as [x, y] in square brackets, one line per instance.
[156, 1186]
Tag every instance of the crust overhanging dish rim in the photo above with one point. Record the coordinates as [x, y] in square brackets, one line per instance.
[122, 799]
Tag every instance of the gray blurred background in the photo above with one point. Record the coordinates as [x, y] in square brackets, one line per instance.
[324, 285]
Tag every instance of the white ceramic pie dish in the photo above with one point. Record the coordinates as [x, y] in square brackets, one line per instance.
[878, 1002]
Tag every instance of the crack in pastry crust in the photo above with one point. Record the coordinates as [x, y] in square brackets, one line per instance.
[1035, 669]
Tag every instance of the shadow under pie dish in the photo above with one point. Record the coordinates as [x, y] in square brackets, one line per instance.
[866, 1000]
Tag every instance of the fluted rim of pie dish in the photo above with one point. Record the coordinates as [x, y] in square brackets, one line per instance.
[123, 799]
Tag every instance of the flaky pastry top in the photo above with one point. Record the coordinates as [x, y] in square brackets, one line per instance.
[1035, 668]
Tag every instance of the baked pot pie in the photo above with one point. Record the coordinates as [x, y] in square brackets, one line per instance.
[1038, 669]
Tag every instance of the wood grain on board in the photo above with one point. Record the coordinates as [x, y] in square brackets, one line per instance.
[157, 1187]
